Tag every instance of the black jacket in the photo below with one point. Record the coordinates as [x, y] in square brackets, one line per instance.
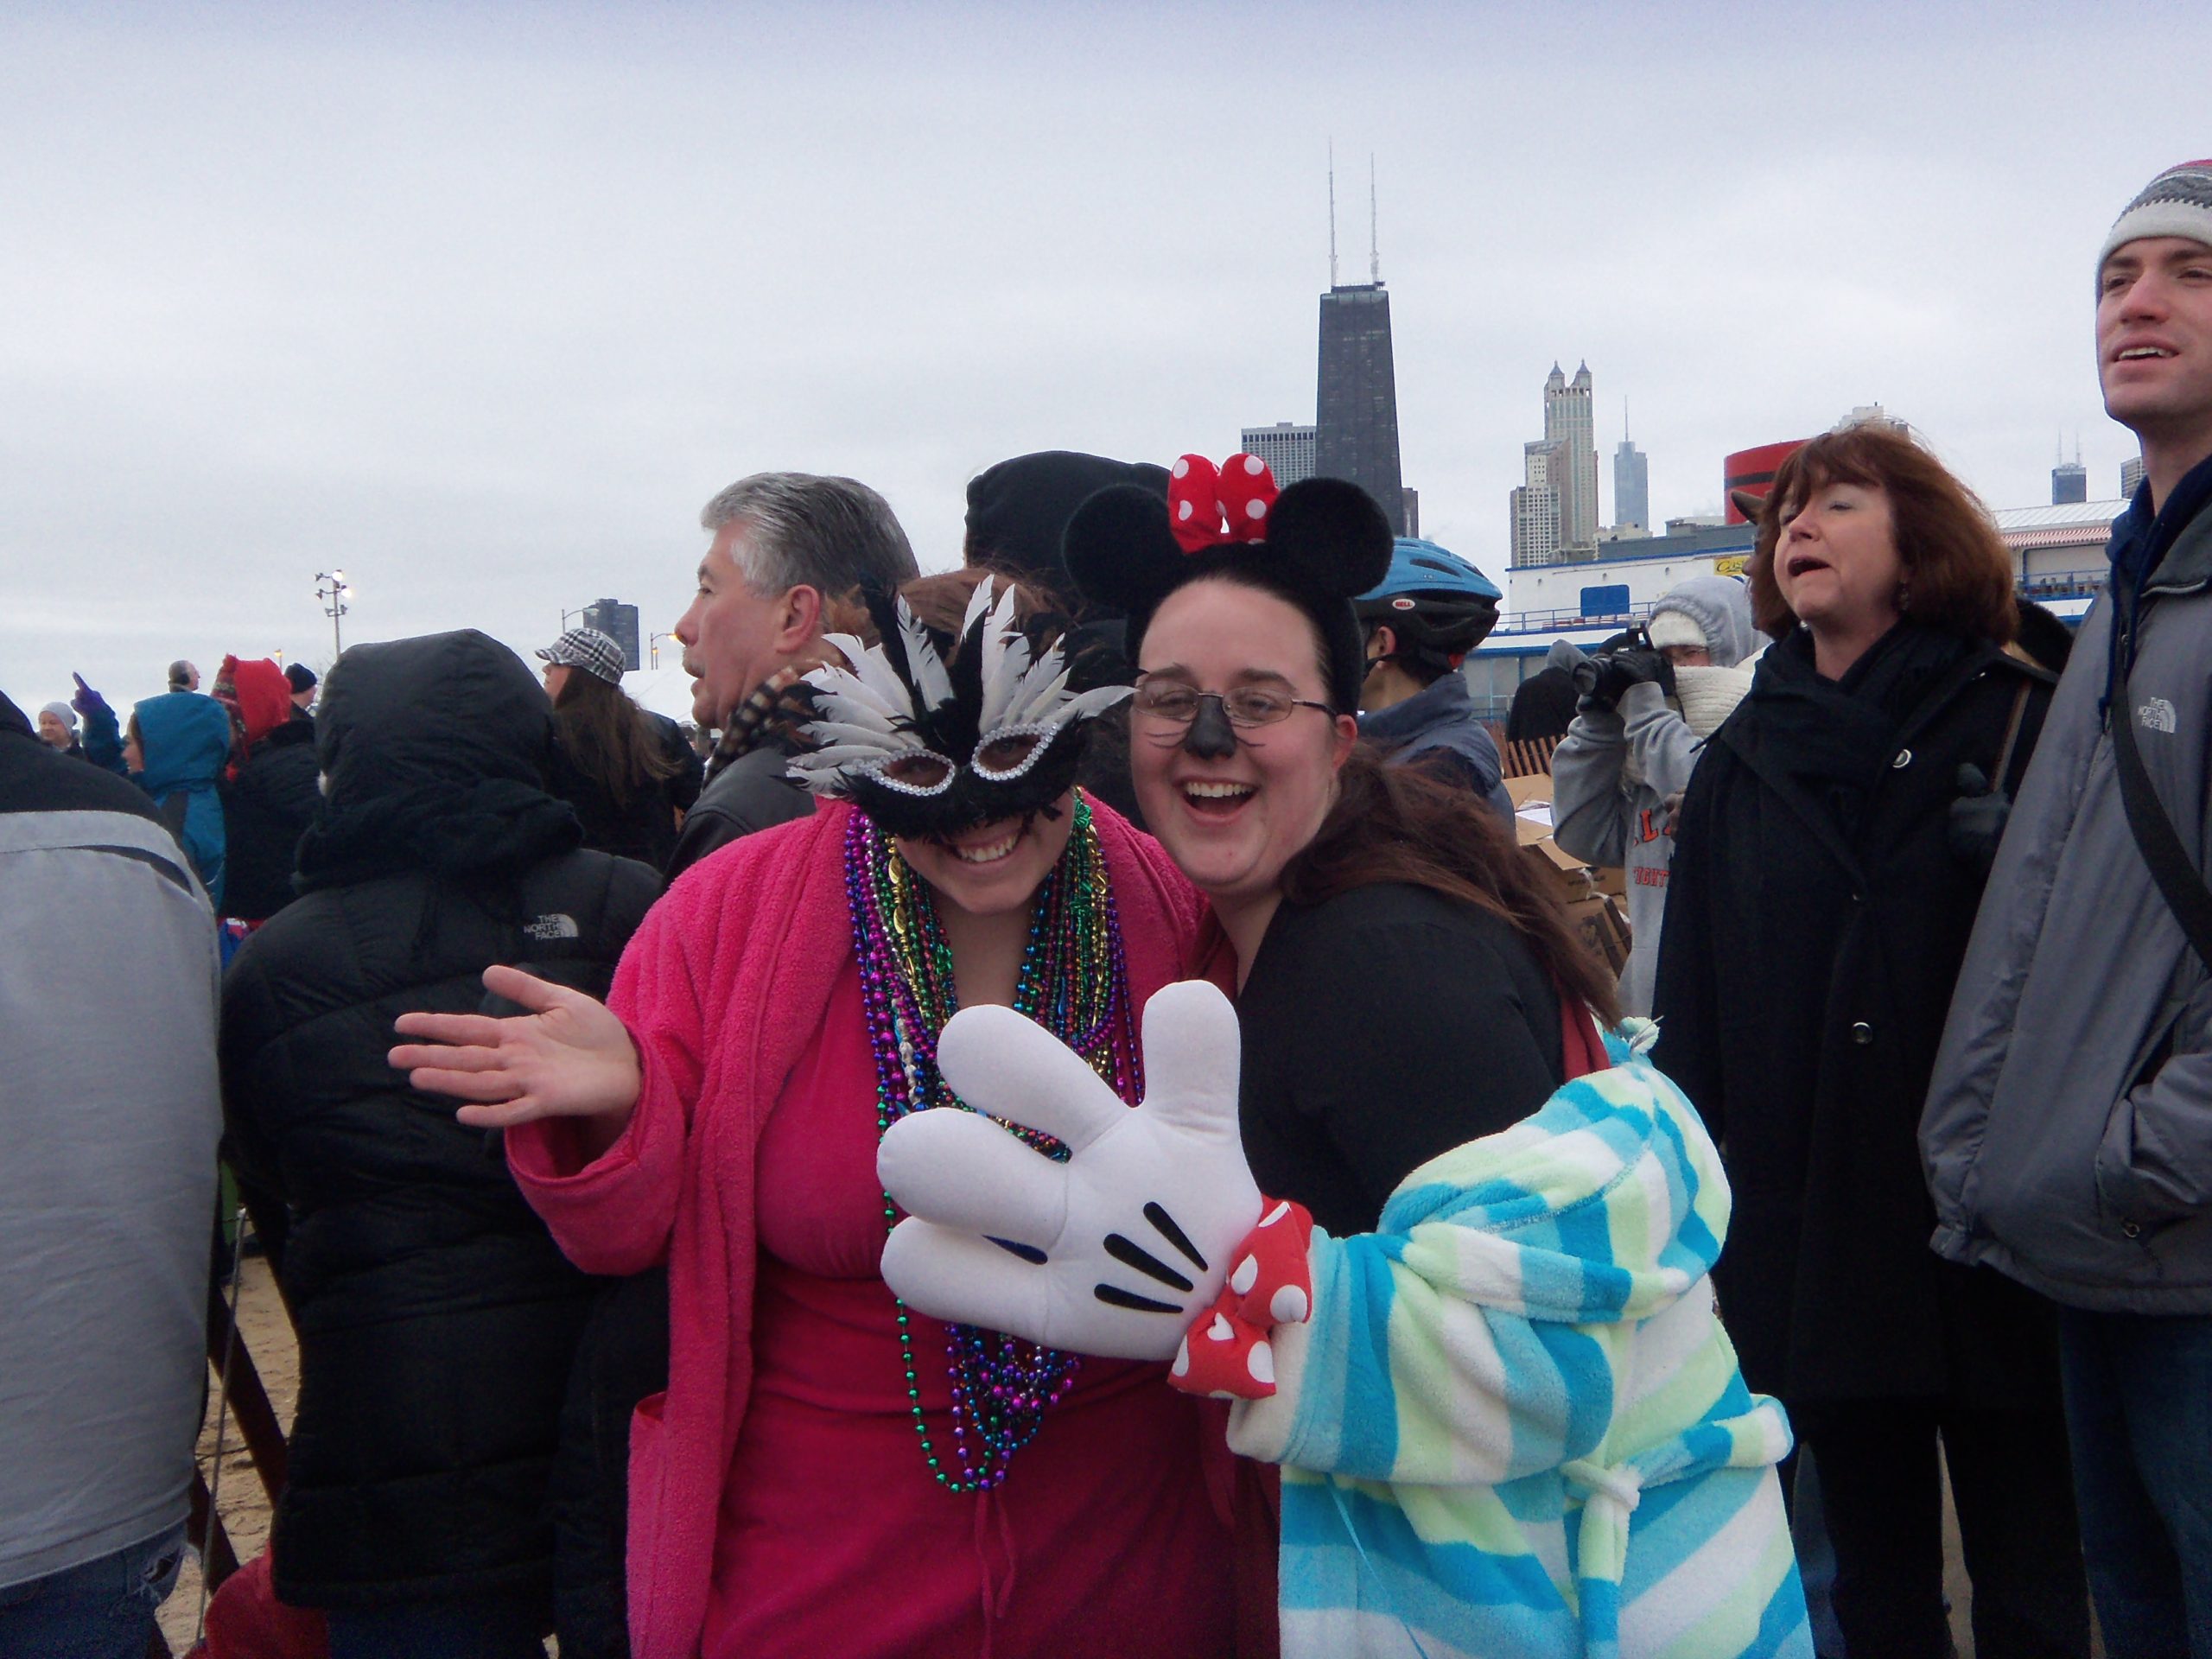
[1816, 917]
[437, 1316]
[266, 808]
[1382, 1028]
[642, 827]
[754, 792]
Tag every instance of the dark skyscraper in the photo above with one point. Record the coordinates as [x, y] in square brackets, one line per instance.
[1356, 405]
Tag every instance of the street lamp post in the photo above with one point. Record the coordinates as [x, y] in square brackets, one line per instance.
[652, 644]
[333, 590]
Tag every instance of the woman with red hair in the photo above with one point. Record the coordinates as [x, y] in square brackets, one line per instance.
[1829, 860]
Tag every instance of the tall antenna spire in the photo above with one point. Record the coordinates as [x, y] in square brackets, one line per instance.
[1624, 419]
[1332, 213]
[1374, 253]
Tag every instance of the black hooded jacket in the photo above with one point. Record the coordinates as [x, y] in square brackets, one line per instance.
[437, 1318]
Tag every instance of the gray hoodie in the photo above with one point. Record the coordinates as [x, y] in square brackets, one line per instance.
[1617, 771]
[2068, 1135]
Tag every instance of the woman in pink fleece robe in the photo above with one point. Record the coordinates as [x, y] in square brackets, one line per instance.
[779, 1499]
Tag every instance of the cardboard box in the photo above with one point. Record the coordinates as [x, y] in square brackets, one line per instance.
[1603, 928]
[1532, 824]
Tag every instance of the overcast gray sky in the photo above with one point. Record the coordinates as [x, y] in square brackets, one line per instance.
[482, 303]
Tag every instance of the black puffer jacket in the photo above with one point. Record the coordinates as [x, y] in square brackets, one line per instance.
[437, 1318]
[266, 808]
[1817, 912]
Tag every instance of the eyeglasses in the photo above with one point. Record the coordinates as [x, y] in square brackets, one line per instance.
[1167, 704]
[1002, 757]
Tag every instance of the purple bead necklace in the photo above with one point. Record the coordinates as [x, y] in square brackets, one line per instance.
[1074, 982]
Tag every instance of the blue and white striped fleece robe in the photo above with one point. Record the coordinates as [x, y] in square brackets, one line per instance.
[1514, 1425]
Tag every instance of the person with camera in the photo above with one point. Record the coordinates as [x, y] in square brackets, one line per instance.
[1421, 621]
[1647, 707]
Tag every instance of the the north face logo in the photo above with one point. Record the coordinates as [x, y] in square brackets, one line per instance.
[2156, 716]
[560, 926]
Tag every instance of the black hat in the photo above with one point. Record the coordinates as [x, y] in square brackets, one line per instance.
[1018, 511]
[300, 678]
[1327, 544]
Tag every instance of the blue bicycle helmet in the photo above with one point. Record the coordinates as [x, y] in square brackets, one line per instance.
[1439, 606]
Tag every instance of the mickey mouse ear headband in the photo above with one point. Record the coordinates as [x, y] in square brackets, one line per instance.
[1318, 545]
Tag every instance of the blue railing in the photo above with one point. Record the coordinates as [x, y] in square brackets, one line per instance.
[2057, 584]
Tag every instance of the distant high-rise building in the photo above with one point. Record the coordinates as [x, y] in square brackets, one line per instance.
[2130, 476]
[619, 622]
[1631, 487]
[1569, 421]
[2070, 482]
[1413, 513]
[1356, 403]
[1534, 508]
[1286, 448]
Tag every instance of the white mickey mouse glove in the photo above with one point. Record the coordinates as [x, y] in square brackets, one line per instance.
[1113, 1252]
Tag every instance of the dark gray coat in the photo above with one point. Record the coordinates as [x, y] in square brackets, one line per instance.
[2067, 1135]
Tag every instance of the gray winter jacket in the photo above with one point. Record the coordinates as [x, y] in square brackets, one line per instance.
[1614, 772]
[2067, 1135]
[109, 1109]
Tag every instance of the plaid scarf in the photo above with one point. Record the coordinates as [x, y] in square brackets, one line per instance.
[763, 718]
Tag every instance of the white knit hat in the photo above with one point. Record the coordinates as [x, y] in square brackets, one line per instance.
[2179, 202]
[1673, 627]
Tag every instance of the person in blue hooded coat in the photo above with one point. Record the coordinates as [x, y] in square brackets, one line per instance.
[179, 744]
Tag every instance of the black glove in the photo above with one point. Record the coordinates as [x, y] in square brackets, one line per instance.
[1978, 819]
[1619, 669]
[1584, 673]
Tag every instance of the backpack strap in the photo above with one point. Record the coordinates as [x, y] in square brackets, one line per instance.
[2171, 868]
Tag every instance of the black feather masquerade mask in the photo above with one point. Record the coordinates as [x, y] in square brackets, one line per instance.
[930, 740]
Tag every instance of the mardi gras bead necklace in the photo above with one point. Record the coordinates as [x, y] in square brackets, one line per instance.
[1074, 982]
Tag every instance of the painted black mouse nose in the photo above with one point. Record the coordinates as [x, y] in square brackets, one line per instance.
[1211, 737]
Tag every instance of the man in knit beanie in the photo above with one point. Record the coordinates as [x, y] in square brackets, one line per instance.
[2067, 1135]
[57, 729]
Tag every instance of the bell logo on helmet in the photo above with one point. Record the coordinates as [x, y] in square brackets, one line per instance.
[1401, 603]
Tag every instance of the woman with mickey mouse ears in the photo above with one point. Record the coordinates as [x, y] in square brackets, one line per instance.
[829, 1471]
[1473, 1325]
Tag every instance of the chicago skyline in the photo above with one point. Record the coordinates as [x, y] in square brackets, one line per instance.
[1356, 397]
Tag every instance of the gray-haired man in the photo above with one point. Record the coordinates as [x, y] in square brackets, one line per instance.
[783, 544]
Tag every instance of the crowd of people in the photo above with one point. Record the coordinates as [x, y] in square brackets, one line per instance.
[1332, 1257]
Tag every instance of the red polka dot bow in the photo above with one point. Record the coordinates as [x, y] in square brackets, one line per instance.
[1227, 1352]
[1209, 505]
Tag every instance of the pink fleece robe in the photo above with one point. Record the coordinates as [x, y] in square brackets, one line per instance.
[721, 989]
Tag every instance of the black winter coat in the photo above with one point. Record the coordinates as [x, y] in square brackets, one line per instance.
[266, 808]
[437, 1319]
[1814, 927]
[643, 826]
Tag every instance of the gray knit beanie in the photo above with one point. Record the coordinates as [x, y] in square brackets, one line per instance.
[2179, 202]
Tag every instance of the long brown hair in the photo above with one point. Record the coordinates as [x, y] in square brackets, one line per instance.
[1402, 823]
[1956, 564]
[608, 738]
